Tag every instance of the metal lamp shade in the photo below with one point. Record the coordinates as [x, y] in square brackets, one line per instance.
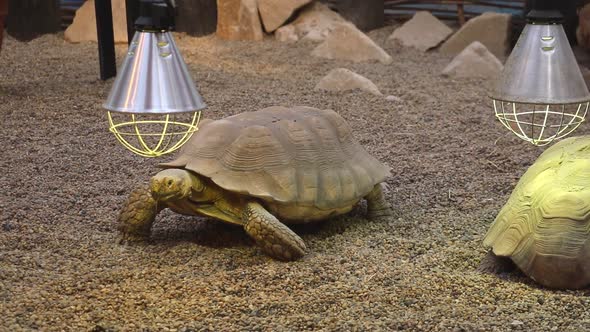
[153, 79]
[542, 69]
[154, 106]
[541, 94]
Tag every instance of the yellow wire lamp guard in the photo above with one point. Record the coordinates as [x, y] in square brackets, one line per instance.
[541, 95]
[154, 106]
[137, 136]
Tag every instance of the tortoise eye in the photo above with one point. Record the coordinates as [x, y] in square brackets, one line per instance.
[169, 182]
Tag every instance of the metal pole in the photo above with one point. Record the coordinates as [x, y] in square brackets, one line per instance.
[132, 12]
[106, 39]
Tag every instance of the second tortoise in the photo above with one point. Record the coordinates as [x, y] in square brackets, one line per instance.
[544, 228]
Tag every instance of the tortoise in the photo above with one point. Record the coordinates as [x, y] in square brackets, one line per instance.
[296, 165]
[544, 227]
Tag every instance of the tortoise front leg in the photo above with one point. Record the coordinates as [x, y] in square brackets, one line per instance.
[137, 216]
[276, 239]
[377, 206]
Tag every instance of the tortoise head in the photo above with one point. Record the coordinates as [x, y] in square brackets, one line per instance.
[174, 184]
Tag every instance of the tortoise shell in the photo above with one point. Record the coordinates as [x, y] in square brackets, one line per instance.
[298, 155]
[545, 225]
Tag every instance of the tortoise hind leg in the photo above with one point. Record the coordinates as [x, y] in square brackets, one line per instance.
[276, 239]
[137, 216]
[377, 206]
[495, 264]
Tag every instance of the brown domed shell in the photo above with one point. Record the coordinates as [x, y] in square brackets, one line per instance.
[299, 155]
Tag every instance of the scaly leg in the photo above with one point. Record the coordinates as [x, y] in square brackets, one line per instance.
[377, 206]
[276, 239]
[137, 216]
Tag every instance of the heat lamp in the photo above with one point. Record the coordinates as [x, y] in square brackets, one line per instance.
[154, 106]
[541, 95]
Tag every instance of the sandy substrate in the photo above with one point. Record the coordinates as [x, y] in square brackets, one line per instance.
[64, 179]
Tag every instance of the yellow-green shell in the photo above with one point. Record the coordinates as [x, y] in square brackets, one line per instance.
[544, 227]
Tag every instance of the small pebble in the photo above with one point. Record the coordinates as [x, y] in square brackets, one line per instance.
[393, 98]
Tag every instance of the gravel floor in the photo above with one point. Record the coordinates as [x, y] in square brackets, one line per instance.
[64, 179]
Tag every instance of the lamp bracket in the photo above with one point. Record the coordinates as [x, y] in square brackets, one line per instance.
[541, 16]
[155, 15]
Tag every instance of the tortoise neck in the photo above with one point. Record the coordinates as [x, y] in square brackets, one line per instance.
[204, 190]
[229, 205]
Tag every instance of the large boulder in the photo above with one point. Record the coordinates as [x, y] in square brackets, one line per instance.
[490, 29]
[365, 14]
[83, 28]
[238, 20]
[347, 42]
[30, 19]
[314, 23]
[287, 34]
[474, 61]
[423, 31]
[342, 79]
[276, 12]
[196, 17]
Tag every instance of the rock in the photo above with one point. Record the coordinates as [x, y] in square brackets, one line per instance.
[490, 29]
[583, 30]
[286, 34]
[7, 226]
[474, 61]
[315, 22]
[238, 20]
[342, 79]
[516, 324]
[423, 31]
[347, 42]
[83, 27]
[196, 17]
[30, 19]
[366, 14]
[276, 12]
[393, 99]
